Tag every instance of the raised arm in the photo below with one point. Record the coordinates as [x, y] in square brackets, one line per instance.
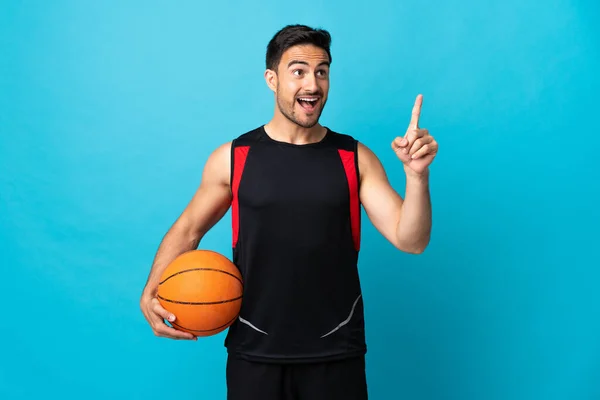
[208, 205]
[406, 223]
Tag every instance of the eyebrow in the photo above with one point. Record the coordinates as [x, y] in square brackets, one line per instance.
[305, 63]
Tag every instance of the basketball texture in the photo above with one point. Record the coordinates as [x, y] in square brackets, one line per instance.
[204, 291]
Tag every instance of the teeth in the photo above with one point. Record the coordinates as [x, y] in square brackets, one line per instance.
[307, 99]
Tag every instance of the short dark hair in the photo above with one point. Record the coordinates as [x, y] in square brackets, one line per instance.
[294, 35]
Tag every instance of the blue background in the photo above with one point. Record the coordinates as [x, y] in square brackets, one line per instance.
[108, 111]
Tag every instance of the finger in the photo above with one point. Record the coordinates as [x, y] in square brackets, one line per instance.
[418, 143]
[160, 328]
[426, 149]
[416, 112]
[412, 135]
[164, 330]
[159, 310]
[422, 152]
[159, 315]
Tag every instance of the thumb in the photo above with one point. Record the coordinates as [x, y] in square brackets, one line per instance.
[399, 142]
[399, 146]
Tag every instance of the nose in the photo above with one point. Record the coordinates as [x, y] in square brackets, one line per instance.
[310, 83]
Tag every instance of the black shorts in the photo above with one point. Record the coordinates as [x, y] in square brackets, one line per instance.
[332, 380]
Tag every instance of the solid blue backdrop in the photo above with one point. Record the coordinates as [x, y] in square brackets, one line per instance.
[108, 111]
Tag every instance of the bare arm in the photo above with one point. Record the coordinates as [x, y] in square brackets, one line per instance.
[208, 205]
[406, 223]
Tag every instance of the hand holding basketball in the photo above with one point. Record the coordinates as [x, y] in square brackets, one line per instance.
[204, 289]
[417, 148]
[156, 315]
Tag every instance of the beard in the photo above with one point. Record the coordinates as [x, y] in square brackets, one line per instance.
[289, 111]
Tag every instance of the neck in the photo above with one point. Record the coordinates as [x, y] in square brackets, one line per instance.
[283, 130]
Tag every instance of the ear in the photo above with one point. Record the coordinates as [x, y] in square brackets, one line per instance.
[271, 79]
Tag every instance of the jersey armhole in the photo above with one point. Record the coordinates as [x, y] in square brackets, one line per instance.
[357, 169]
[232, 163]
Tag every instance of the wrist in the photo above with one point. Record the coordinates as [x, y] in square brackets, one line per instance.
[149, 293]
[412, 176]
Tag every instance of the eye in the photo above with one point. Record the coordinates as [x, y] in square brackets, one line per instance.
[322, 72]
[298, 72]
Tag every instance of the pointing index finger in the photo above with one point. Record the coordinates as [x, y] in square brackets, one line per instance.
[416, 112]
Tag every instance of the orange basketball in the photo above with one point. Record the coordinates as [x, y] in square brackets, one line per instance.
[204, 291]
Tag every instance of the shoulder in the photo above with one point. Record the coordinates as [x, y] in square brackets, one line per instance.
[365, 158]
[365, 154]
[247, 138]
[367, 162]
[220, 159]
[219, 163]
[343, 141]
[348, 142]
[222, 155]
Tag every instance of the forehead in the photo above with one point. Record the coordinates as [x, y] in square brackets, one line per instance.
[308, 53]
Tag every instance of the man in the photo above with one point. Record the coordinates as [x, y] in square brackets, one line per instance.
[296, 188]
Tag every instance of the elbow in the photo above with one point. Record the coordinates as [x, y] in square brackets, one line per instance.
[414, 250]
[413, 247]
[417, 250]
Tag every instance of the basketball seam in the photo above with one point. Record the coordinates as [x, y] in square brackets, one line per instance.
[201, 269]
[199, 303]
[205, 330]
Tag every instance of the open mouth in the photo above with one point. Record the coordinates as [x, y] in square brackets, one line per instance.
[308, 103]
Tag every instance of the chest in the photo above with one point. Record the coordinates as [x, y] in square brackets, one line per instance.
[294, 178]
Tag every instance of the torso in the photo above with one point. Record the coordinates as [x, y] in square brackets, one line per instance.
[296, 239]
